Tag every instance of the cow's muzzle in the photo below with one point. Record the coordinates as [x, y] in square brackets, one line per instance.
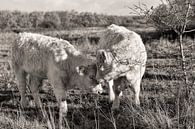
[98, 89]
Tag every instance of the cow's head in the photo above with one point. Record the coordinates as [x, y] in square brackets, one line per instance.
[87, 74]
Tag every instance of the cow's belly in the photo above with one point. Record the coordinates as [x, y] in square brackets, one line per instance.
[35, 70]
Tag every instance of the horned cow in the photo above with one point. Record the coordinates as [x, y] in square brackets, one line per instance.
[121, 54]
[43, 57]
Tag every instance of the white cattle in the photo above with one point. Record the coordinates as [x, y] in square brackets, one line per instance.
[43, 57]
[121, 54]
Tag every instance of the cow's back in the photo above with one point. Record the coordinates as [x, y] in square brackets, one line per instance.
[124, 49]
[126, 46]
[33, 52]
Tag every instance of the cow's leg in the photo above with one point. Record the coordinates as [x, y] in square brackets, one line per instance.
[116, 102]
[136, 87]
[114, 98]
[21, 82]
[111, 90]
[135, 80]
[60, 93]
[55, 78]
[114, 93]
[35, 83]
[118, 85]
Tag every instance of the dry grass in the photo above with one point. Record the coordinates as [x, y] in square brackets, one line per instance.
[8, 122]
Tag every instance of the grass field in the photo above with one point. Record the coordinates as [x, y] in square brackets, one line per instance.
[166, 101]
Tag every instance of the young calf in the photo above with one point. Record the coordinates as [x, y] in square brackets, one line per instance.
[43, 57]
[121, 54]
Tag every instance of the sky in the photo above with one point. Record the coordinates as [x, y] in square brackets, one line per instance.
[110, 7]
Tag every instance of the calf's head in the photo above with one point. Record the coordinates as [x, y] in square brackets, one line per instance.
[87, 78]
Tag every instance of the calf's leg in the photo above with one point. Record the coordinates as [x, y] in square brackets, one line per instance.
[35, 83]
[111, 90]
[60, 93]
[135, 82]
[136, 87]
[118, 87]
[21, 83]
[114, 94]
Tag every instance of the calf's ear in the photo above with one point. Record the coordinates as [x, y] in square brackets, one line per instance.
[101, 55]
[81, 70]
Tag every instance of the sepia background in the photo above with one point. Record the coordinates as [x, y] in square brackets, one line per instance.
[167, 93]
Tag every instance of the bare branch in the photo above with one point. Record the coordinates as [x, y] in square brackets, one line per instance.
[186, 18]
[173, 15]
[134, 11]
[188, 31]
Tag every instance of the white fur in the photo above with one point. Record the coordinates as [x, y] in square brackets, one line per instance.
[57, 46]
[63, 107]
[127, 57]
[111, 91]
[97, 89]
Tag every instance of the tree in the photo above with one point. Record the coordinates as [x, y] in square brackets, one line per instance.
[101, 20]
[36, 18]
[23, 20]
[65, 19]
[87, 19]
[174, 15]
[51, 20]
[7, 20]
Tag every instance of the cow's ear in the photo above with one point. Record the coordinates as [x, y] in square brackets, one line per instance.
[101, 55]
[81, 70]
